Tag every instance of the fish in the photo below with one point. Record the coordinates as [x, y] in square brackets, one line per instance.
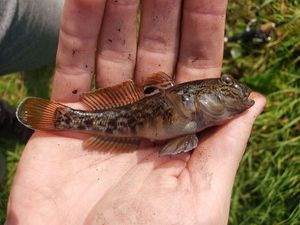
[118, 118]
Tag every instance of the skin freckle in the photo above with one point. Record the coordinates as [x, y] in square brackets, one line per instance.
[74, 51]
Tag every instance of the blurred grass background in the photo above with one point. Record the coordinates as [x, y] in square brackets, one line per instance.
[267, 187]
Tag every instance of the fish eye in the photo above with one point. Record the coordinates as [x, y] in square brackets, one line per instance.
[227, 79]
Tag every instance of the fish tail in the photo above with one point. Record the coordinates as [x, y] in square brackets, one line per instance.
[38, 113]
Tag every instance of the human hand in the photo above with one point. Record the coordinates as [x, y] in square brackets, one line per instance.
[58, 182]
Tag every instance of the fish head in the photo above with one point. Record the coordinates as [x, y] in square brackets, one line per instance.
[233, 94]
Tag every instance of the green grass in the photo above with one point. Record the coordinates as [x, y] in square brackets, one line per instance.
[267, 188]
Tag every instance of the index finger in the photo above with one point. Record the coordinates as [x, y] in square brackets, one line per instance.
[75, 59]
[202, 39]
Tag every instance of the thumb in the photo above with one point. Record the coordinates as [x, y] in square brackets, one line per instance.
[214, 163]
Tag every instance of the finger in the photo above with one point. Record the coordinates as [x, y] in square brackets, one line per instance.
[202, 39]
[117, 43]
[158, 41]
[214, 163]
[76, 49]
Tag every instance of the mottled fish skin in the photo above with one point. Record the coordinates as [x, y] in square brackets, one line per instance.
[137, 119]
[183, 109]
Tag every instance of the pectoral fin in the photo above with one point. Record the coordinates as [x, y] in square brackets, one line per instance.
[179, 145]
[111, 144]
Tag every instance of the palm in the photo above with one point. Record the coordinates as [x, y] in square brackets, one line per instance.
[73, 186]
[58, 182]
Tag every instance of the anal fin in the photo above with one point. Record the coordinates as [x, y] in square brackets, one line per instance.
[111, 144]
[180, 144]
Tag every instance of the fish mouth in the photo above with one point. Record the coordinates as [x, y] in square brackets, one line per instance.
[247, 102]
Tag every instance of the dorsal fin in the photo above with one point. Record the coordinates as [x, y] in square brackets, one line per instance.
[111, 97]
[159, 80]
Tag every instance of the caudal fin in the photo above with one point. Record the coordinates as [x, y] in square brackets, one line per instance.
[38, 113]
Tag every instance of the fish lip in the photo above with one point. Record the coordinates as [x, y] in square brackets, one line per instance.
[247, 101]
